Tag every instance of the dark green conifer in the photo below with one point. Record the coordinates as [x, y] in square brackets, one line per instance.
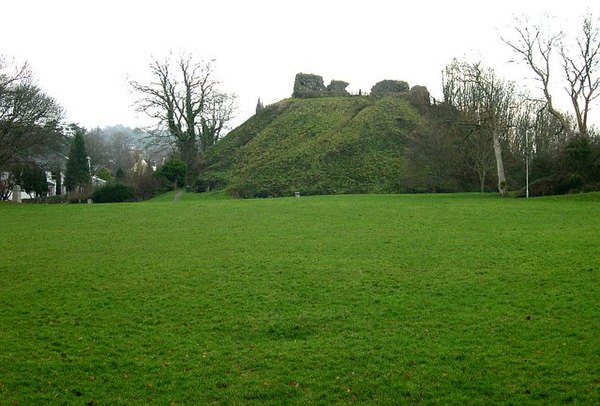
[78, 176]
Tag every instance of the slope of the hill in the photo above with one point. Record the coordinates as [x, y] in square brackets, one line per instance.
[314, 146]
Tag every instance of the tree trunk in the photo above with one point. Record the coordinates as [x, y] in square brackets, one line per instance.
[482, 182]
[502, 187]
[188, 150]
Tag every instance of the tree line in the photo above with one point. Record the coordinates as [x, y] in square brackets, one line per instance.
[36, 146]
[487, 128]
[31, 135]
[485, 131]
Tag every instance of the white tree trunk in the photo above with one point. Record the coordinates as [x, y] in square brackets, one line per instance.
[502, 186]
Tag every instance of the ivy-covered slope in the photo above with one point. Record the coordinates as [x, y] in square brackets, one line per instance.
[314, 146]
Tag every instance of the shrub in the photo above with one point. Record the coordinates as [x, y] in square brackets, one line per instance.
[79, 196]
[57, 199]
[174, 170]
[147, 185]
[104, 174]
[211, 181]
[540, 187]
[591, 187]
[112, 193]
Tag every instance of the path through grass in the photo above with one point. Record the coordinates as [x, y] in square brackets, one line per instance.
[370, 299]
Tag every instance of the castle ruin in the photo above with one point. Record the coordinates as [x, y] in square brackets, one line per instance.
[307, 85]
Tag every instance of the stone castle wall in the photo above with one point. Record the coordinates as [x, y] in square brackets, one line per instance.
[307, 85]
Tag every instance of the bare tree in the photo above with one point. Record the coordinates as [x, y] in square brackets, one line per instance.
[218, 112]
[485, 105]
[97, 149]
[580, 64]
[477, 153]
[28, 117]
[581, 71]
[189, 109]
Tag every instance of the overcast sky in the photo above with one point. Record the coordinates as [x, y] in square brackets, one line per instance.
[83, 51]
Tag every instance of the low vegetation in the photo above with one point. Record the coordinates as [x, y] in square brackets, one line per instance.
[373, 299]
[112, 193]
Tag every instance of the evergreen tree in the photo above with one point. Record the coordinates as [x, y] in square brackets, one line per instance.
[259, 107]
[104, 174]
[78, 171]
[120, 176]
[174, 170]
[34, 180]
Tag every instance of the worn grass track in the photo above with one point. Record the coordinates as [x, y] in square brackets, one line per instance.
[376, 299]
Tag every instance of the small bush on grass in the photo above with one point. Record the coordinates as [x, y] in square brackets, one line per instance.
[147, 185]
[79, 196]
[112, 193]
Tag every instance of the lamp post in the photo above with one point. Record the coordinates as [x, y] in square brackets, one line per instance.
[527, 164]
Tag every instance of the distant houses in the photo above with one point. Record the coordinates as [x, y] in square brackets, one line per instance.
[52, 185]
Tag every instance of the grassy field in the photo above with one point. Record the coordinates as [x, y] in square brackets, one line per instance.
[372, 299]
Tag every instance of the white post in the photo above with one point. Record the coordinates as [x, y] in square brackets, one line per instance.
[17, 194]
[526, 164]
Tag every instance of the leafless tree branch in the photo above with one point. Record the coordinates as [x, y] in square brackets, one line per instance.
[184, 100]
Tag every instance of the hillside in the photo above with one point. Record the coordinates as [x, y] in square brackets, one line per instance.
[319, 145]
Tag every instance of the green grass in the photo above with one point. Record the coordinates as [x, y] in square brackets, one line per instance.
[180, 195]
[373, 299]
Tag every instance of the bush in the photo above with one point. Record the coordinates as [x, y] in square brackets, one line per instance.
[591, 187]
[57, 199]
[174, 170]
[104, 174]
[112, 193]
[79, 196]
[211, 181]
[540, 187]
[147, 185]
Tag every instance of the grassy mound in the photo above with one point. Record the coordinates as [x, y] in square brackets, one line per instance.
[375, 299]
[314, 146]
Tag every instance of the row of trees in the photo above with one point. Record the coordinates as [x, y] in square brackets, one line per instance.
[189, 110]
[29, 119]
[33, 141]
[486, 128]
[486, 124]
[30, 132]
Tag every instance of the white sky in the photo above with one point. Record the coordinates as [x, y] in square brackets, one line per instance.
[82, 51]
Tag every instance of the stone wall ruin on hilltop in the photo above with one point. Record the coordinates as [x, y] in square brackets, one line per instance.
[389, 88]
[307, 85]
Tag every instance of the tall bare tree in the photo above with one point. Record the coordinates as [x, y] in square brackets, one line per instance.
[189, 109]
[580, 60]
[485, 105]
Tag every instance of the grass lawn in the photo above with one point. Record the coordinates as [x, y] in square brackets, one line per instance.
[373, 299]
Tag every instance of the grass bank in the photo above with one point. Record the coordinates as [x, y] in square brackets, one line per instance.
[370, 299]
